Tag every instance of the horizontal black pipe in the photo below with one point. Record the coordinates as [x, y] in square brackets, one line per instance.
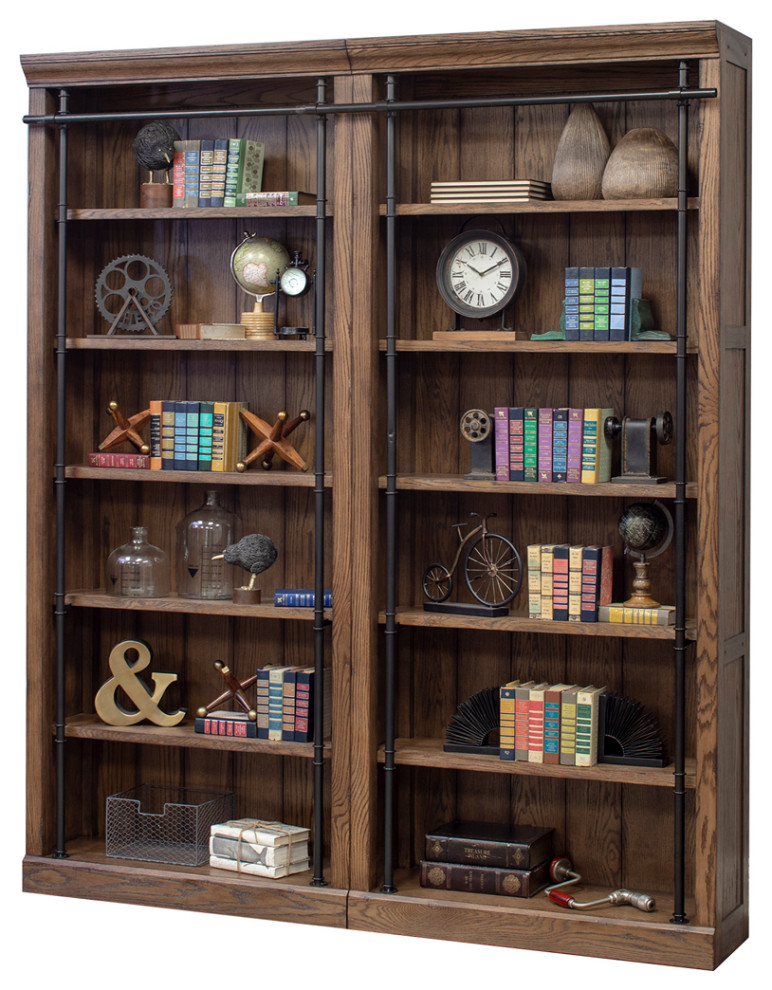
[380, 106]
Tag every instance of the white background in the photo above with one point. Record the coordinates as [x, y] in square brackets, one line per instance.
[45, 938]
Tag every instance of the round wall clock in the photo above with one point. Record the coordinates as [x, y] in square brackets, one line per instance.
[479, 273]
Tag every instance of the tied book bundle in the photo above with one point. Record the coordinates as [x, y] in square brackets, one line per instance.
[487, 858]
[550, 445]
[571, 725]
[259, 848]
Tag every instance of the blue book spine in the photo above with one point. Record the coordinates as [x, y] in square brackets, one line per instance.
[180, 435]
[559, 444]
[192, 415]
[571, 303]
[205, 425]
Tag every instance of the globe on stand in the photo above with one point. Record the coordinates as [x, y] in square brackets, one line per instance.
[255, 266]
[647, 530]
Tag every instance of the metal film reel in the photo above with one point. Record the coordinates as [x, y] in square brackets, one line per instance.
[475, 425]
[136, 279]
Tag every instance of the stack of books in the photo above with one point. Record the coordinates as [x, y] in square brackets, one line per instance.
[552, 445]
[598, 302]
[568, 583]
[237, 725]
[549, 723]
[285, 703]
[259, 848]
[502, 191]
[486, 858]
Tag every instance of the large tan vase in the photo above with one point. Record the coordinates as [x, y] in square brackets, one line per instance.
[583, 151]
[644, 165]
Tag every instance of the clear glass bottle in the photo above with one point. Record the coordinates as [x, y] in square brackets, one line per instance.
[203, 534]
[138, 569]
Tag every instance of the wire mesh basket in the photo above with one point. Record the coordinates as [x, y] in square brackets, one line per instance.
[164, 824]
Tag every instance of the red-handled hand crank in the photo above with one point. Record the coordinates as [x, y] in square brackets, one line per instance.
[560, 871]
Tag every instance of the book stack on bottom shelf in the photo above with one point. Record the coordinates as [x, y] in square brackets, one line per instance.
[486, 858]
[259, 848]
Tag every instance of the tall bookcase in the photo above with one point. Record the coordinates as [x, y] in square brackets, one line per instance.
[369, 124]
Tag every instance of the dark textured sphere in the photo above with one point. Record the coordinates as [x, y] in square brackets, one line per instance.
[255, 553]
[154, 146]
[643, 526]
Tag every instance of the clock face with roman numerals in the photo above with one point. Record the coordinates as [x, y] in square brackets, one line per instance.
[479, 273]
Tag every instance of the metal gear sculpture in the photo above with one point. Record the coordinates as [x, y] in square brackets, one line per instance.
[133, 293]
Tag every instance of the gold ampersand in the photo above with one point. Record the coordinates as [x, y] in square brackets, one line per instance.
[124, 676]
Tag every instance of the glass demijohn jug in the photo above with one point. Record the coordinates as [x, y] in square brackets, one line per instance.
[201, 535]
[138, 569]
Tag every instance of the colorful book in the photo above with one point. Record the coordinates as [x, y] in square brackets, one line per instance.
[205, 435]
[533, 560]
[506, 723]
[156, 407]
[597, 580]
[530, 445]
[663, 615]
[626, 285]
[575, 564]
[586, 303]
[559, 444]
[287, 197]
[602, 289]
[574, 451]
[110, 459]
[187, 196]
[568, 726]
[516, 444]
[219, 168]
[522, 708]
[536, 722]
[560, 582]
[205, 162]
[178, 175]
[596, 447]
[552, 725]
[222, 723]
[571, 303]
[300, 598]
[545, 445]
[262, 703]
[251, 173]
[233, 170]
[587, 726]
[520, 847]
[501, 442]
[547, 568]
[168, 413]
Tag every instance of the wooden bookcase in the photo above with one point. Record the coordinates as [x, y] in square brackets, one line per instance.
[620, 825]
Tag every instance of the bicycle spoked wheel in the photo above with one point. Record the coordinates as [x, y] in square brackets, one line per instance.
[493, 570]
[437, 582]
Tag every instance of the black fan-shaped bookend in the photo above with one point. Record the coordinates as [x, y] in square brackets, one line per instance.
[472, 728]
[628, 734]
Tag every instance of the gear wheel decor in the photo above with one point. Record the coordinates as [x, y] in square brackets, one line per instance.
[133, 293]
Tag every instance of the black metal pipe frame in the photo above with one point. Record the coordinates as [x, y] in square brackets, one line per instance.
[679, 648]
[60, 609]
[389, 765]
[319, 625]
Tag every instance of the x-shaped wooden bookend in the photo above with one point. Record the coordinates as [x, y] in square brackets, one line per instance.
[273, 440]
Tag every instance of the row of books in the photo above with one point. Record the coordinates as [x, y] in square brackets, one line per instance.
[568, 583]
[214, 171]
[598, 302]
[285, 703]
[549, 723]
[259, 848]
[552, 445]
[487, 858]
[193, 435]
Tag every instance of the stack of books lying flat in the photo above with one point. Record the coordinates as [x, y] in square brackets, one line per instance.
[500, 191]
[259, 848]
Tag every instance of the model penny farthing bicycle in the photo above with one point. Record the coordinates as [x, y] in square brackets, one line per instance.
[491, 566]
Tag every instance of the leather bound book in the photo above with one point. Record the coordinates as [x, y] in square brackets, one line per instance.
[484, 879]
[518, 847]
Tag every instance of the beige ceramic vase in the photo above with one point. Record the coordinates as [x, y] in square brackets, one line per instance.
[644, 165]
[583, 151]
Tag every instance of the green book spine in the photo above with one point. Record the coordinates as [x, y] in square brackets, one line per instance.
[205, 435]
[530, 444]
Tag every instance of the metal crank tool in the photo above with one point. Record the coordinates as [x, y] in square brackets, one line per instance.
[560, 871]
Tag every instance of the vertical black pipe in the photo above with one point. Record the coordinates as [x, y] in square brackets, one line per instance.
[59, 482]
[679, 776]
[319, 327]
[391, 496]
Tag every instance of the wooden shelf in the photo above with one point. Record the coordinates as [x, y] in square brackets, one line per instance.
[539, 346]
[268, 479]
[535, 922]
[89, 872]
[457, 483]
[514, 622]
[429, 753]
[195, 213]
[169, 343]
[192, 606]
[182, 736]
[543, 206]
